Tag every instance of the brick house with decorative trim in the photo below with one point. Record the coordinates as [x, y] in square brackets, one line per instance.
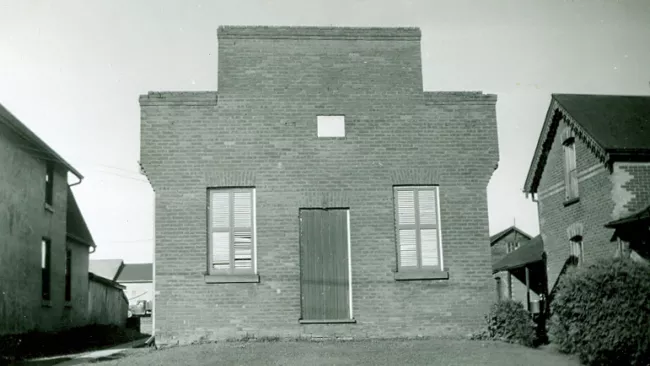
[591, 166]
[319, 192]
[501, 245]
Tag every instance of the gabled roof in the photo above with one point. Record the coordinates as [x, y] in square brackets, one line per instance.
[107, 268]
[615, 127]
[76, 228]
[527, 253]
[136, 272]
[42, 149]
[498, 236]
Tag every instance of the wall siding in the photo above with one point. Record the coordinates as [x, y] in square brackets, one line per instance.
[262, 133]
[107, 305]
[23, 222]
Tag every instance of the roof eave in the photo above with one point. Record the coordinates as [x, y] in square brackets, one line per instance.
[80, 241]
[10, 120]
[530, 186]
[554, 115]
[498, 236]
[637, 155]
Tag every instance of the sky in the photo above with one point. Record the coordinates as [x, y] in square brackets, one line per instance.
[72, 72]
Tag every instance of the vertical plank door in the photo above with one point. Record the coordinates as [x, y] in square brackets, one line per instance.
[324, 266]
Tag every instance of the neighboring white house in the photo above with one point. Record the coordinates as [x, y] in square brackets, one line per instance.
[107, 268]
[138, 280]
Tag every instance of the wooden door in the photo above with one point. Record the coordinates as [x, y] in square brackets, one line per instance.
[324, 265]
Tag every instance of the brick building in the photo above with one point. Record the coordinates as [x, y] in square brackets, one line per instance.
[45, 241]
[319, 192]
[502, 244]
[632, 234]
[591, 166]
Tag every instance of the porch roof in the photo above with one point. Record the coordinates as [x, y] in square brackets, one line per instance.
[530, 252]
[633, 218]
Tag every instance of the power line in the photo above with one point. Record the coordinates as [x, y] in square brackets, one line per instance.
[43, 156]
[130, 241]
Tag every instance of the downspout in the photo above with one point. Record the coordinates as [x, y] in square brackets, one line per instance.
[81, 178]
[79, 182]
[533, 196]
[152, 339]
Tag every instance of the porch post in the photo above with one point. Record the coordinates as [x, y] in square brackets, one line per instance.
[527, 289]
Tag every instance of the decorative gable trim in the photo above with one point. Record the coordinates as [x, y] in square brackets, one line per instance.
[555, 114]
[585, 137]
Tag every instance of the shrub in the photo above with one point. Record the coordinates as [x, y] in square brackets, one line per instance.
[510, 322]
[602, 313]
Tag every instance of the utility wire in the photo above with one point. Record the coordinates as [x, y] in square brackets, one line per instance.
[43, 156]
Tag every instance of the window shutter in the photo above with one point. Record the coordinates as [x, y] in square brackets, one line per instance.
[221, 250]
[243, 236]
[428, 208]
[243, 250]
[429, 247]
[220, 210]
[242, 210]
[232, 232]
[406, 207]
[408, 248]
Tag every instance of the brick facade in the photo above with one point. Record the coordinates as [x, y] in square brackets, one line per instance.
[260, 130]
[604, 194]
[24, 221]
[632, 181]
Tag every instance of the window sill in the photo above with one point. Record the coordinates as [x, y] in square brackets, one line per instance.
[421, 275]
[49, 208]
[232, 278]
[330, 321]
[67, 305]
[46, 303]
[571, 201]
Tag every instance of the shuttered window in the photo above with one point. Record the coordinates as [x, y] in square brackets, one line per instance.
[68, 275]
[418, 232]
[46, 268]
[231, 218]
[570, 166]
[575, 250]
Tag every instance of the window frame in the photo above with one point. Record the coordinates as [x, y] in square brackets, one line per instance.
[49, 184]
[46, 269]
[571, 186]
[576, 249]
[322, 118]
[511, 246]
[68, 275]
[417, 226]
[231, 229]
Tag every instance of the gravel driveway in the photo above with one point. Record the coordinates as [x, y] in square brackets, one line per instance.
[419, 352]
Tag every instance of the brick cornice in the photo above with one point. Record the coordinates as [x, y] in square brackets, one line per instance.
[451, 97]
[329, 33]
[199, 98]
